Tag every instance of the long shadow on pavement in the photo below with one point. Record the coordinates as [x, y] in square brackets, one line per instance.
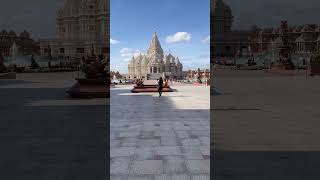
[51, 142]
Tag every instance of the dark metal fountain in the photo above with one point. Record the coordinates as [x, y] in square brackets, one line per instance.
[284, 62]
[4, 74]
[96, 83]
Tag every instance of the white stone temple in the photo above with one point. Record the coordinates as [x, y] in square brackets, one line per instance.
[82, 26]
[155, 63]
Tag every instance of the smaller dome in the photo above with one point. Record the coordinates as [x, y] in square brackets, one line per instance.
[300, 39]
[138, 61]
[278, 40]
[167, 59]
[4, 32]
[296, 29]
[177, 61]
[275, 31]
[172, 60]
[132, 60]
[60, 13]
[260, 32]
[25, 35]
[306, 28]
[12, 33]
[144, 60]
[318, 29]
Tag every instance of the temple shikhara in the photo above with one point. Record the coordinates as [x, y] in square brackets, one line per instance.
[81, 28]
[155, 63]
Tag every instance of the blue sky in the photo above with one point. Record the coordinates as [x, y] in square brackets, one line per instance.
[186, 21]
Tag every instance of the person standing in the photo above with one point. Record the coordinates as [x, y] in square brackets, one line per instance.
[160, 85]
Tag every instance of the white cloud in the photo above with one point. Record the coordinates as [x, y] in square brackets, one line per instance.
[127, 53]
[113, 41]
[178, 37]
[206, 40]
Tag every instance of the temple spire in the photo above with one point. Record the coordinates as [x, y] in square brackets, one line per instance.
[155, 46]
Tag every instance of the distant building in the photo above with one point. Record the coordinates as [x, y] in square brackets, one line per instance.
[82, 26]
[116, 74]
[155, 63]
[202, 73]
[25, 45]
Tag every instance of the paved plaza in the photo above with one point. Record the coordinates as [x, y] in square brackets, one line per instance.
[46, 135]
[265, 127]
[165, 138]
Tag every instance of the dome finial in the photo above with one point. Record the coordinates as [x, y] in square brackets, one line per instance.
[155, 31]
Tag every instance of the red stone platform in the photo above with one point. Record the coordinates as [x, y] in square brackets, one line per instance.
[10, 75]
[150, 88]
[89, 88]
[313, 70]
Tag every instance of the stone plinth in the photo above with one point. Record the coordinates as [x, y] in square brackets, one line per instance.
[150, 88]
[90, 88]
[10, 75]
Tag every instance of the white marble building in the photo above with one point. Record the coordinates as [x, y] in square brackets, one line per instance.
[81, 25]
[155, 63]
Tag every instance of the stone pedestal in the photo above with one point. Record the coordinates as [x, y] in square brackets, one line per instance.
[96, 83]
[90, 88]
[10, 75]
[150, 88]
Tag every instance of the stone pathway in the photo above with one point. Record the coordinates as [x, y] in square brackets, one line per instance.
[165, 138]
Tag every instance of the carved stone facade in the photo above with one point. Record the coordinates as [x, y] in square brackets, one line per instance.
[155, 63]
[82, 25]
[304, 39]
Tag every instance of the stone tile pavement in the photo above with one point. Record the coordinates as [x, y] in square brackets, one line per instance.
[266, 128]
[165, 138]
[46, 135]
